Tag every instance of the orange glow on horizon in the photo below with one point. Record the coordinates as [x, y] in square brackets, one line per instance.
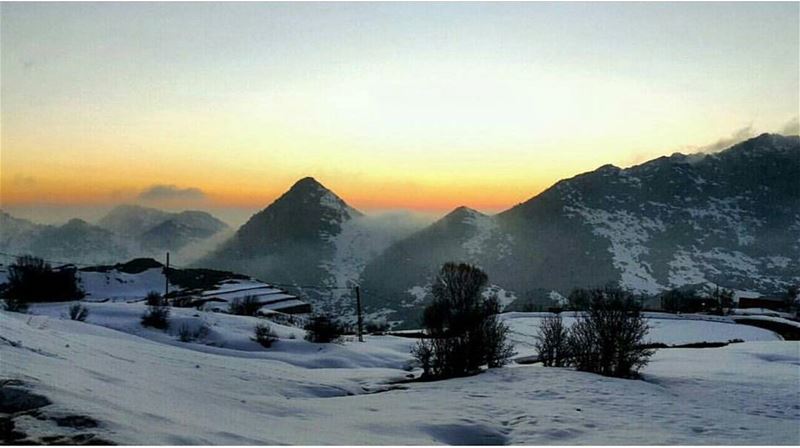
[363, 196]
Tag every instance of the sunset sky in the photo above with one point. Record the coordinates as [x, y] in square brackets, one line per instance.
[415, 106]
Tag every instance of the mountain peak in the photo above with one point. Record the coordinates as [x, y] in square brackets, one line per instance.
[461, 209]
[310, 193]
[763, 144]
[76, 222]
[461, 213]
[307, 183]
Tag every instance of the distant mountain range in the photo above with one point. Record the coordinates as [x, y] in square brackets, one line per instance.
[730, 218]
[157, 230]
[126, 232]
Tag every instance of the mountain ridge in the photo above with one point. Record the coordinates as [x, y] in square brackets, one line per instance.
[127, 231]
[725, 218]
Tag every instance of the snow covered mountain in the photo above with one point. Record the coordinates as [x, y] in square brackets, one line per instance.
[157, 230]
[76, 241]
[126, 232]
[730, 219]
[291, 241]
[181, 230]
[310, 237]
[132, 220]
[16, 234]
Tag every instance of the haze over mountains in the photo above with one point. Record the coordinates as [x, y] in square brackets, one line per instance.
[730, 219]
[125, 232]
[310, 237]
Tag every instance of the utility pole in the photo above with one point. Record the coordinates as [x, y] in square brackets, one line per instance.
[166, 278]
[360, 320]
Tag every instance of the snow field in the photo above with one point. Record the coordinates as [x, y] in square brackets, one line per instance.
[147, 387]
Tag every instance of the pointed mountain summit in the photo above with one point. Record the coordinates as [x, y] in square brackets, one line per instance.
[461, 213]
[290, 240]
[310, 195]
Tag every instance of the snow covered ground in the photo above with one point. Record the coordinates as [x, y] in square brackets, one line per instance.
[665, 328]
[144, 386]
[116, 285]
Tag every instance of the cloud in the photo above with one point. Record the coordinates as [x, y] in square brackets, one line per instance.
[726, 142]
[792, 127]
[171, 192]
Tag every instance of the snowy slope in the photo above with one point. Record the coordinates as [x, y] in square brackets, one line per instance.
[116, 285]
[230, 335]
[147, 392]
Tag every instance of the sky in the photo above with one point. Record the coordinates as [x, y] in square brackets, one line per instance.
[419, 106]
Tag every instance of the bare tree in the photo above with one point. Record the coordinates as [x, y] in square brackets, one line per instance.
[462, 329]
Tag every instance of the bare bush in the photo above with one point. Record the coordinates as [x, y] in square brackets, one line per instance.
[496, 347]
[78, 312]
[321, 328]
[377, 326]
[157, 314]
[187, 334]
[16, 305]
[609, 340]
[552, 342]
[245, 306]
[31, 280]
[264, 335]
[155, 299]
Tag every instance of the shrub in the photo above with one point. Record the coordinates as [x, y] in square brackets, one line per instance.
[264, 335]
[376, 326]
[687, 301]
[497, 349]
[16, 305]
[463, 332]
[31, 279]
[78, 312]
[246, 306]
[790, 300]
[723, 298]
[422, 351]
[609, 340]
[321, 328]
[157, 314]
[551, 342]
[186, 334]
[155, 299]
